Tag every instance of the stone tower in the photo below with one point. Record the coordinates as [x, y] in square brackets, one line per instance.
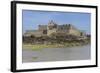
[51, 27]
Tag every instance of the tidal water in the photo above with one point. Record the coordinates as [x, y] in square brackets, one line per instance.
[57, 54]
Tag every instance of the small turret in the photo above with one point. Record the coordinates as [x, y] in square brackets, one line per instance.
[52, 25]
[51, 22]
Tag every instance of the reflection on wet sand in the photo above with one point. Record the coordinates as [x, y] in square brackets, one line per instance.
[57, 54]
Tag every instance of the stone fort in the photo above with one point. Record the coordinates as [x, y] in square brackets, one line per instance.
[54, 28]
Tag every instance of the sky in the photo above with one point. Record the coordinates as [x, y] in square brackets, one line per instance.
[32, 18]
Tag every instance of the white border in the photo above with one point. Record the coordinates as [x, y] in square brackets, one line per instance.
[37, 65]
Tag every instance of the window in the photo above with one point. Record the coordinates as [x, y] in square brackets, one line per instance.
[44, 31]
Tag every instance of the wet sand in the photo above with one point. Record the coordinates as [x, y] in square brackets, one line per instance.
[57, 54]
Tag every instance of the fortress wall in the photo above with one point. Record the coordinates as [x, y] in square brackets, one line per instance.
[74, 32]
[42, 27]
[49, 32]
[35, 33]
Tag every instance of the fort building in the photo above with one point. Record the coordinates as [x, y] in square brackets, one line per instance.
[54, 28]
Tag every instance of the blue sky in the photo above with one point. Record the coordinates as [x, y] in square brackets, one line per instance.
[31, 19]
